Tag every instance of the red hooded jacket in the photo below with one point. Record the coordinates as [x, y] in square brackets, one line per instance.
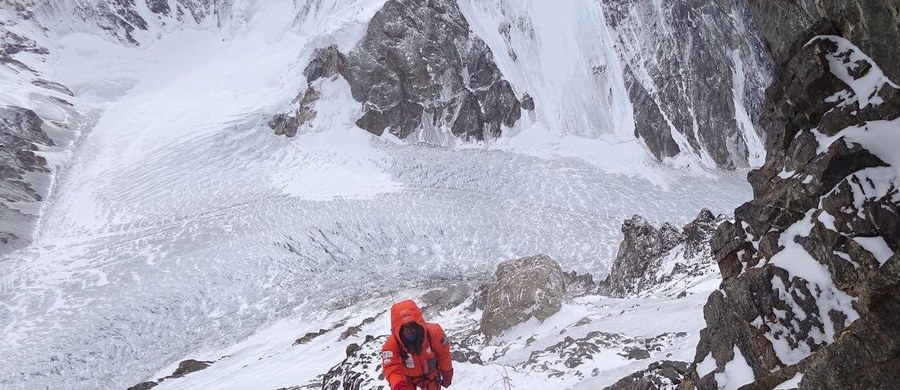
[422, 370]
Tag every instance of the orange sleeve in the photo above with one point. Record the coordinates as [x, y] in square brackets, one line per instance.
[391, 363]
[440, 343]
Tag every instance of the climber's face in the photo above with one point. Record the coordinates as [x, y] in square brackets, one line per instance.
[409, 332]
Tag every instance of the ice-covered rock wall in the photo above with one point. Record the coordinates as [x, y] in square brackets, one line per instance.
[684, 77]
[695, 72]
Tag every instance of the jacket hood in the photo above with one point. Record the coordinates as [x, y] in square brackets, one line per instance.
[404, 312]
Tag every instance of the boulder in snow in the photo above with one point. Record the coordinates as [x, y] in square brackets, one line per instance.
[526, 287]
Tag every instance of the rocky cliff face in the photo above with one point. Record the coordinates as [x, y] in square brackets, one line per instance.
[36, 116]
[650, 256]
[695, 72]
[419, 72]
[21, 134]
[811, 267]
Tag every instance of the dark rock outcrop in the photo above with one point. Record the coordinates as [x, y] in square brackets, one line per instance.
[644, 248]
[288, 124]
[525, 287]
[21, 136]
[184, 368]
[326, 63]
[418, 70]
[419, 64]
[811, 267]
[359, 370]
[874, 26]
[659, 375]
[685, 62]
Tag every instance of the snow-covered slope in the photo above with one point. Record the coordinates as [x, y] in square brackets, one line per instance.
[181, 223]
[589, 344]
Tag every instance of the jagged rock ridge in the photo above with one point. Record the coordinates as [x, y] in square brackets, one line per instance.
[130, 21]
[650, 256]
[811, 267]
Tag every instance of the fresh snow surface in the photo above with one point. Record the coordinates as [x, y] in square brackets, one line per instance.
[706, 366]
[183, 225]
[877, 246]
[736, 374]
[790, 384]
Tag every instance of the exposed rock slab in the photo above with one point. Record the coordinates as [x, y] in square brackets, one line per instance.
[874, 26]
[21, 136]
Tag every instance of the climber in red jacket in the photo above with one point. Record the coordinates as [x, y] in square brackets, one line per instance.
[417, 354]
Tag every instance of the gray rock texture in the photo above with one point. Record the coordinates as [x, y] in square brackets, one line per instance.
[659, 375]
[419, 71]
[21, 135]
[683, 59]
[644, 248]
[640, 254]
[874, 26]
[420, 64]
[780, 322]
[524, 288]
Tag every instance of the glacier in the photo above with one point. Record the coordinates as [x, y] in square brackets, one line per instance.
[180, 223]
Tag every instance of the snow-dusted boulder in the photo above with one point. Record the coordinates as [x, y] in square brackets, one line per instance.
[658, 375]
[526, 287]
[811, 289]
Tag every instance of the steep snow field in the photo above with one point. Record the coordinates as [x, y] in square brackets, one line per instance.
[184, 224]
[529, 355]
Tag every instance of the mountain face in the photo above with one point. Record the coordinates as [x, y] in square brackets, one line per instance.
[419, 71]
[870, 25]
[695, 73]
[131, 21]
[810, 265]
[683, 80]
[37, 120]
[169, 222]
[687, 78]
